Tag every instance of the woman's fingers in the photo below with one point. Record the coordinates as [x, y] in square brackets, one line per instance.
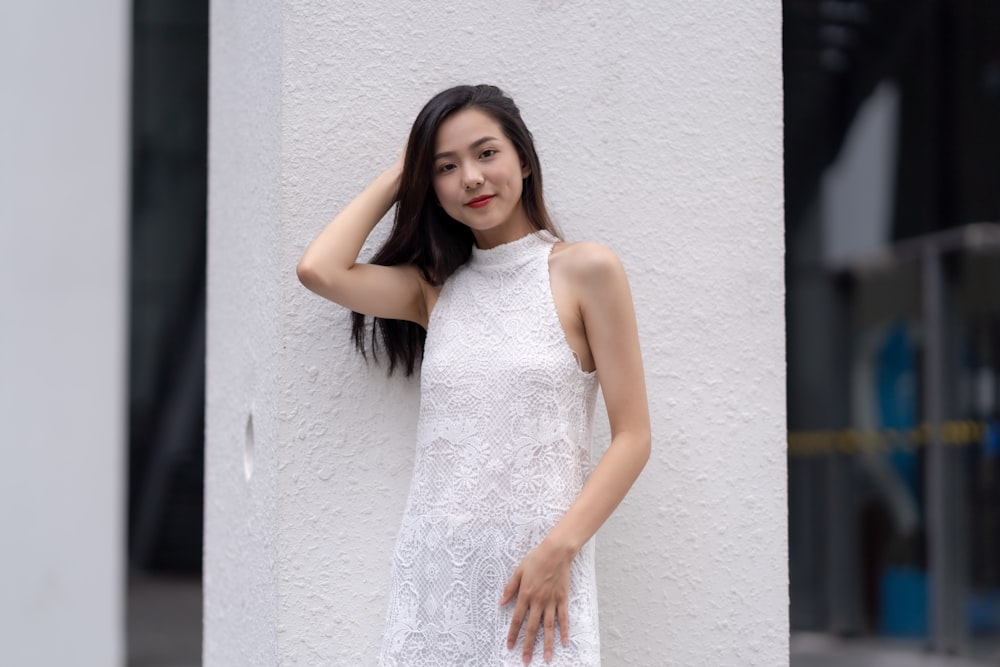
[540, 586]
[562, 613]
[516, 621]
[511, 588]
[531, 633]
[549, 631]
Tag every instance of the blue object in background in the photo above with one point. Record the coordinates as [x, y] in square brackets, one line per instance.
[983, 609]
[902, 589]
[903, 612]
[991, 440]
[897, 395]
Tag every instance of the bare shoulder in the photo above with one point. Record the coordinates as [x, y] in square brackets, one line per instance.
[586, 262]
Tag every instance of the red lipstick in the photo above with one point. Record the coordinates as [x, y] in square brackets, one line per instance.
[479, 202]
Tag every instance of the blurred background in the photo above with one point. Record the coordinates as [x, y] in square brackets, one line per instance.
[166, 371]
[892, 150]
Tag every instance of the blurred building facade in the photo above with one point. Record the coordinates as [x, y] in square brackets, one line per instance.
[892, 152]
[63, 277]
[169, 156]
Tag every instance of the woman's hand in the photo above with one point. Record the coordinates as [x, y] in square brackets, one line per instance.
[329, 267]
[541, 584]
[395, 172]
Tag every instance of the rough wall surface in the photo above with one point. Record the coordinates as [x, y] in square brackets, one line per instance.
[659, 130]
[246, 276]
[63, 233]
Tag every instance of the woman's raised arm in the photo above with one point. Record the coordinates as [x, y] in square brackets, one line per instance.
[329, 265]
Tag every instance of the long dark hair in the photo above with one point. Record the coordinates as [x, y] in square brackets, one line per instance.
[422, 233]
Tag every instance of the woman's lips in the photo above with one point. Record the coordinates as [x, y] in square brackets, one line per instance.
[480, 202]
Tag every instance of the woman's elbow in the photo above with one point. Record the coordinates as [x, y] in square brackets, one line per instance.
[321, 281]
[639, 447]
[307, 274]
[644, 445]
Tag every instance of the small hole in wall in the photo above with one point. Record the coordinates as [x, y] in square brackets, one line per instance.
[248, 448]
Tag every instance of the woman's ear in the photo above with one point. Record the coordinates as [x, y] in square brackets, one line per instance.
[525, 170]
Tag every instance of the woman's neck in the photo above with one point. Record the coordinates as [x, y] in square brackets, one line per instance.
[511, 230]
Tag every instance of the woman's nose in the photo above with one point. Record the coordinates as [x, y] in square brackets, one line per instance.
[471, 176]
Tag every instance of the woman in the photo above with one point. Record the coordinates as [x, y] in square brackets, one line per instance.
[494, 552]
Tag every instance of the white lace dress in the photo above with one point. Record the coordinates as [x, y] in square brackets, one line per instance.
[503, 449]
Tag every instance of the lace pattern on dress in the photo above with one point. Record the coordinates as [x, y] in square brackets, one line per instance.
[503, 449]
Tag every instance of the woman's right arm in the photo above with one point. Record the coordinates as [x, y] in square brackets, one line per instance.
[329, 266]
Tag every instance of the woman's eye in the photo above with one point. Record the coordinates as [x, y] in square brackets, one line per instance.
[489, 152]
[445, 168]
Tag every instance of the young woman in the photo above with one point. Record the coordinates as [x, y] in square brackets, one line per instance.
[513, 328]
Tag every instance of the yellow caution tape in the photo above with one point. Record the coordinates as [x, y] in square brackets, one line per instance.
[853, 441]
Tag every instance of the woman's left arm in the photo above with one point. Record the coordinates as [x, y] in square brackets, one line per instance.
[541, 582]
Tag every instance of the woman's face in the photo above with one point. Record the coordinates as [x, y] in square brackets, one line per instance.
[478, 177]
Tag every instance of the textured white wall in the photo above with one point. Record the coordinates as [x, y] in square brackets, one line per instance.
[247, 359]
[659, 128]
[63, 234]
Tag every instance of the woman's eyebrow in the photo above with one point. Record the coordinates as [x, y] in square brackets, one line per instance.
[474, 144]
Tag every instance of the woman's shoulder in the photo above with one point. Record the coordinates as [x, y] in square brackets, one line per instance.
[584, 261]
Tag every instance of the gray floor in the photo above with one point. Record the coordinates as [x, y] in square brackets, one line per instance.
[164, 622]
[164, 630]
[817, 650]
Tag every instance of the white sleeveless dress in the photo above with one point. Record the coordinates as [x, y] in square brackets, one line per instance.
[503, 449]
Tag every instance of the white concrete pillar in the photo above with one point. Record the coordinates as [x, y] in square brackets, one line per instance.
[63, 277]
[660, 132]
